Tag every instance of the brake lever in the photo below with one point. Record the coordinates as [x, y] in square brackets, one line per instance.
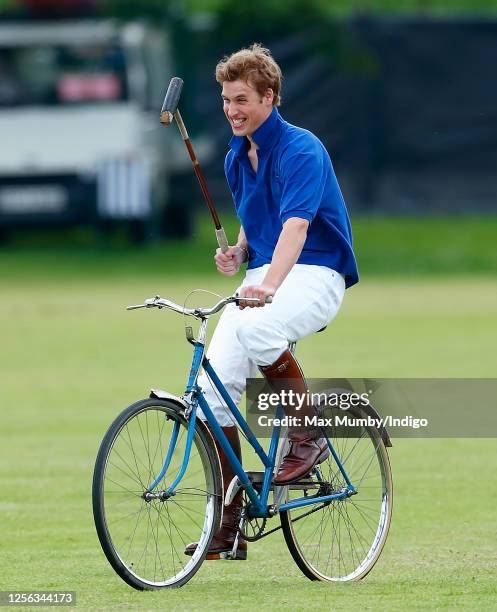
[150, 303]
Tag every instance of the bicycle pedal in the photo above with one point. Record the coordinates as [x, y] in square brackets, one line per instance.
[240, 555]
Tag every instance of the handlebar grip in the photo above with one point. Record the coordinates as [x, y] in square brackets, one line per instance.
[269, 298]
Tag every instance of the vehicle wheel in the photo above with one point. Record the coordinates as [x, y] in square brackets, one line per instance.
[341, 540]
[143, 531]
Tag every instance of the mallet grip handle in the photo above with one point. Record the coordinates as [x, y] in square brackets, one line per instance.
[222, 240]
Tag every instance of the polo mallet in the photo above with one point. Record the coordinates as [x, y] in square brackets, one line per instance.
[170, 110]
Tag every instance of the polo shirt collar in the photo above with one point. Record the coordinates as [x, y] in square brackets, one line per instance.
[264, 136]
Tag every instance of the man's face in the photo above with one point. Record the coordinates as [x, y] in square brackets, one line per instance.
[244, 107]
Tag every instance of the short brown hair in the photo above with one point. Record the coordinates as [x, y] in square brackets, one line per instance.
[255, 64]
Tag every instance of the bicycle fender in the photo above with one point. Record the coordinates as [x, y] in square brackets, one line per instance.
[165, 395]
[234, 487]
[183, 405]
[370, 411]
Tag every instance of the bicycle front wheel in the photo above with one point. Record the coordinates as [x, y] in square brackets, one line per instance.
[142, 530]
[341, 540]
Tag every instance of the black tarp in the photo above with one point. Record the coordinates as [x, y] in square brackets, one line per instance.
[407, 108]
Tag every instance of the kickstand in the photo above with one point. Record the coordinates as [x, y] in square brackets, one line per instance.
[232, 554]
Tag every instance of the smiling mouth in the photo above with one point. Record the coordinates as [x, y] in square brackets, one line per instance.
[237, 123]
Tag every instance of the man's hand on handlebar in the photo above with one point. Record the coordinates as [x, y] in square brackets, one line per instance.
[263, 293]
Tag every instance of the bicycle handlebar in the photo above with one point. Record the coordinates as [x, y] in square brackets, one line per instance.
[201, 313]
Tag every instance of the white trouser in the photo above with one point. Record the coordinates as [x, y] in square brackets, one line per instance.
[308, 299]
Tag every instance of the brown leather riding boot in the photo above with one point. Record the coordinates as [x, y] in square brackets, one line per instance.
[307, 448]
[223, 540]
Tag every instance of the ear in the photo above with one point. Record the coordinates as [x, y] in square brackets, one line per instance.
[268, 97]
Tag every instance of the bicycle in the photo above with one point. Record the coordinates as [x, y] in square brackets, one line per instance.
[157, 486]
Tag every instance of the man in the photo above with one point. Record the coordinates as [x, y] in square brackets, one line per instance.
[296, 240]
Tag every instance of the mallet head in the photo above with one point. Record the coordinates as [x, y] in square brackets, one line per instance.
[171, 100]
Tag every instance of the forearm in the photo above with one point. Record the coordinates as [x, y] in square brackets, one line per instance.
[287, 251]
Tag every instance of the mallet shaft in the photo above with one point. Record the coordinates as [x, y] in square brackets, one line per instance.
[198, 170]
[170, 110]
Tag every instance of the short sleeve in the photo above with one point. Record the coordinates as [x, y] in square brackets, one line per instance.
[303, 184]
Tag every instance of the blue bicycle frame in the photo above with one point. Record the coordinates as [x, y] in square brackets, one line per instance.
[259, 506]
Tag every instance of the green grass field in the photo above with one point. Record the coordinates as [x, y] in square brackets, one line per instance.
[72, 357]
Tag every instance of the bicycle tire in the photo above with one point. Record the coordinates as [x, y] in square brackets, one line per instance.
[341, 541]
[133, 531]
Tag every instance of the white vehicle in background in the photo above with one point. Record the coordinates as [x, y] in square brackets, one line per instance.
[80, 140]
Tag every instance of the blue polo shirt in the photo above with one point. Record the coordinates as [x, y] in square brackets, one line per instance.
[295, 178]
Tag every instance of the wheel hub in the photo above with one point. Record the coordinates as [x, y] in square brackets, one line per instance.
[163, 496]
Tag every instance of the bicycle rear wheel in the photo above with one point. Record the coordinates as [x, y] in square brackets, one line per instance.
[143, 532]
[341, 540]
